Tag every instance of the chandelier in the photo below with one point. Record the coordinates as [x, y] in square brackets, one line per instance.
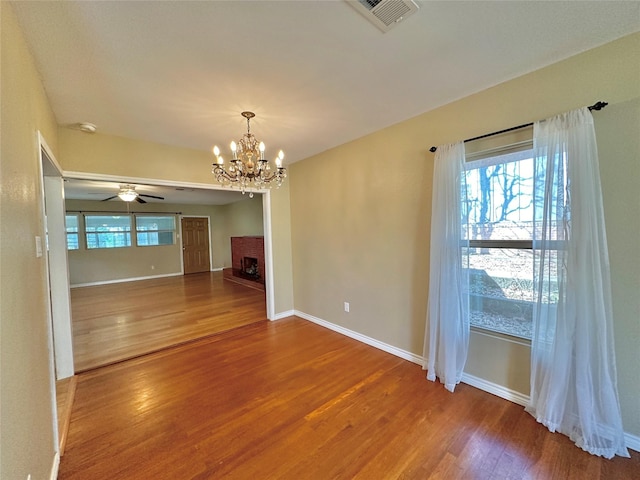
[248, 166]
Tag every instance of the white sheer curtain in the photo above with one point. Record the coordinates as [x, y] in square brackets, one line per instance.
[447, 334]
[573, 374]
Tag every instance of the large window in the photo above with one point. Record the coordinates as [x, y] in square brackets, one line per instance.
[155, 230]
[71, 224]
[498, 223]
[107, 231]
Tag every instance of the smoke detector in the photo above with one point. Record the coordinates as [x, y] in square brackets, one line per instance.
[384, 14]
[87, 127]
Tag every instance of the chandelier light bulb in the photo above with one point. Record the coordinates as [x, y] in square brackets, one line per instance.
[216, 151]
[261, 147]
[220, 160]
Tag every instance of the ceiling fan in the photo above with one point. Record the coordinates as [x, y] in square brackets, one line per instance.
[128, 193]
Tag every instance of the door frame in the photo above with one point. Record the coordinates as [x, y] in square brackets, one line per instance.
[208, 217]
[266, 218]
[50, 185]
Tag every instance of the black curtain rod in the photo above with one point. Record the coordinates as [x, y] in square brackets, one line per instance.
[595, 106]
[123, 213]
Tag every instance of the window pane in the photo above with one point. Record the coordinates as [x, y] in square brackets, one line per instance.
[108, 231]
[71, 224]
[499, 194]
[72, 241]
[501, 294]
[155, 230]
[107, 223]
[165, 222]
[553, 172]
[108, 240]
[145, 239]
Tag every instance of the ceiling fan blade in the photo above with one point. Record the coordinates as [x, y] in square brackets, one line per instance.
[139, 200]
[110, 198]
[150, 196]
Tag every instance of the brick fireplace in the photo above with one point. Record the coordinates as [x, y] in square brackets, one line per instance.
[247, 262]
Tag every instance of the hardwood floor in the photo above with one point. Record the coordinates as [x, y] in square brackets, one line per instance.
[124, 320]
[292, 400]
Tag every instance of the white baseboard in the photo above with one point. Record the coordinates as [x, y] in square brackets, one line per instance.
[632, 441]
[495, 389]
[123, 280]
[217, 269]
[55, 466]
[281, 315]
[398, 352]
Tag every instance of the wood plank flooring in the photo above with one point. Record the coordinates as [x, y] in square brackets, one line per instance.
[292, 400]
[120, 321]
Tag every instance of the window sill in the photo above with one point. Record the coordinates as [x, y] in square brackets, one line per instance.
[501, 336]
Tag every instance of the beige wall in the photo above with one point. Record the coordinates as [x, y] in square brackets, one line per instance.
[90, 266]
[618, 136]
[26, 435]
[282, 262]
[242, 219]
[360, 213]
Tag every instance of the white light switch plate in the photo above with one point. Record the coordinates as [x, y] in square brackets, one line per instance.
[38, 246]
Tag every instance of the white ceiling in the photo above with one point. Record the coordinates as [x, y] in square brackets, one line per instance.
[316, 73]
[78, 189]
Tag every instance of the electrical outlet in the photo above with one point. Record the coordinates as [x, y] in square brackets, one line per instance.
[346, 307]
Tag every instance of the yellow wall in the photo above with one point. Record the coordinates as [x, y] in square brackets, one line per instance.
[351, 224]
[360, 213]
[113, 155]
[27, 443]
[236, 219]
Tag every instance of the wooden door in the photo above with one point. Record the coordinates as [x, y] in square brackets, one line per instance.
[195, 244]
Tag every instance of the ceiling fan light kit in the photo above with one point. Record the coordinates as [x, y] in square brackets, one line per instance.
[248, 167]
[128, 193]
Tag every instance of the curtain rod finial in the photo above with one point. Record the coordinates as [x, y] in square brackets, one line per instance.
[433, 149]
[598, 106]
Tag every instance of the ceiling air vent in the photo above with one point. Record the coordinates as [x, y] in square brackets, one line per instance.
[384, 14]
